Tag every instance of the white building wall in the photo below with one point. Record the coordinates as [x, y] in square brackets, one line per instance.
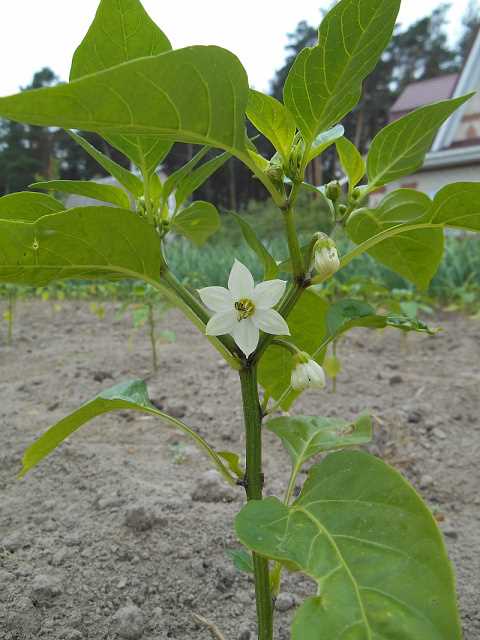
[430, 182]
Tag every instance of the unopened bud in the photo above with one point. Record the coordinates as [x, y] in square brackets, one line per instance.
[294, 169]
[333, 191]
[275, 171]
[306, 373]
[325, 256]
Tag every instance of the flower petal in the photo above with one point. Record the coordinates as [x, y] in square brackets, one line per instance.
[216, 298]
[221, 323]
[267, 294]
[240, 282]
[270, 321]
[246, 335]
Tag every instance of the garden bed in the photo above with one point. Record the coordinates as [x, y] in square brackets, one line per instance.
[115, 529]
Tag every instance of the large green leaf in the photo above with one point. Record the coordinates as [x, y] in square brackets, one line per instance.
[94, 190]
[28, 206]
[197, 95]
[352, 162]
[123, 31]
[124, 177]
[325, 82]
[197, 222]
[307, 324]
[306, 436]
[400, 148]
[128, 395]
[345, 315]
[365, 537]
[415, 255]
[87, 242]
[458, 205]
[272, 119]
[195, 178]
[270, 267]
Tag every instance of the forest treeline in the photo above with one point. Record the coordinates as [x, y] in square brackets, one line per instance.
[417, 52]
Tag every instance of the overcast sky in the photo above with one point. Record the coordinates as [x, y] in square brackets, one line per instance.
[36, 34]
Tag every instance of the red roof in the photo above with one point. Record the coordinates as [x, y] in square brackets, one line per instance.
[424, 92]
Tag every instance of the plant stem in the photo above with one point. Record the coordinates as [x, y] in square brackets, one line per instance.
[254, 489]
[153, 339]
[296, 257]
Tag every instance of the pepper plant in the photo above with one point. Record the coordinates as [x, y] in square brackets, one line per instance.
[357, 528]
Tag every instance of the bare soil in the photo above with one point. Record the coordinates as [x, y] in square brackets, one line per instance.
[104, 538]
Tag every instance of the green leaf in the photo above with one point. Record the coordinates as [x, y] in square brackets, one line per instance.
[325, 140]
[128, 180]
[270, 268]
[325, 82]
[123, 31]
[342, 314]
[194, 180]
[306, 436]
[196, 95]
[415, 255]
[273, 119]
[352, 162]
[400, 148]
[371, 545]
[349, 314]
[95, 190]
[242, 560]
[146, 152]
[307, 324]
[28, 207]
[87, 243]
[177, 176]
[128, 395]
[233, 463]
[458, 205]
[197, 222]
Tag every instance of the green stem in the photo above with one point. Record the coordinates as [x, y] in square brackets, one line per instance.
[296, 256]
[153, 340]
[254, 489]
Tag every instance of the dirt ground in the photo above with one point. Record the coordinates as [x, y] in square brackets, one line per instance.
[112, 536]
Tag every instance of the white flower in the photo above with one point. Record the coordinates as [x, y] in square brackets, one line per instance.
[326, 258]
[306, 373]
[243, 309]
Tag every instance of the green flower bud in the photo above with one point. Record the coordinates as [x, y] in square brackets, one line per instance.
[333, 191]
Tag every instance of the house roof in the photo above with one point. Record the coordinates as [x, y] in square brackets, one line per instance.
[422, 92]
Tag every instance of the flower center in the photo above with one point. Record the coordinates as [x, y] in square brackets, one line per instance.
[245, 308]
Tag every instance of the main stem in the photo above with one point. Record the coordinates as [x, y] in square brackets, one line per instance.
[254, 488]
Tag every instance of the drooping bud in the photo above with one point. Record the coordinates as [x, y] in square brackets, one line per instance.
[306, 373]
[333, 191]
[325, 256]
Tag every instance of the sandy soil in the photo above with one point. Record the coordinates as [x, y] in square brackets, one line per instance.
[108, 538]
